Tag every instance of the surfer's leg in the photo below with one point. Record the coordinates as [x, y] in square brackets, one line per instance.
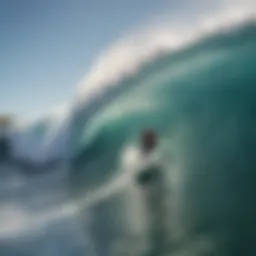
[155, 197]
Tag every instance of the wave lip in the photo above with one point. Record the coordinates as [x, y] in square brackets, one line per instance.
[127, 56]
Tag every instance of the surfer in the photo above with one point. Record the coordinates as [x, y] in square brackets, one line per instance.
[142, 189]
[151, 180]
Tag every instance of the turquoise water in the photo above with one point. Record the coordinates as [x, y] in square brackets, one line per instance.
[201, 101]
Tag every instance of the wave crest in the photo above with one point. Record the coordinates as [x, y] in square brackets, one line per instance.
[128, 55]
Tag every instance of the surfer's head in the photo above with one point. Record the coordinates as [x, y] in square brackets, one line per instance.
[148, 140]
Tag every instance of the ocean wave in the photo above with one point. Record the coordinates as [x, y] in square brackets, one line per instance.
[201, 103]
[153, 97]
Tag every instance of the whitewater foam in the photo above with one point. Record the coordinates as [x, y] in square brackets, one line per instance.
[128, 55]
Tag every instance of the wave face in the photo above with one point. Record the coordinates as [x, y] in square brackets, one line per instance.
[202, 102]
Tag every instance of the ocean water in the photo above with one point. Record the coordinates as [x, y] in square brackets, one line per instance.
[36, 216]
[201, 101]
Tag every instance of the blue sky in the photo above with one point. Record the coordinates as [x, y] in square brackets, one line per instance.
[47, 46]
